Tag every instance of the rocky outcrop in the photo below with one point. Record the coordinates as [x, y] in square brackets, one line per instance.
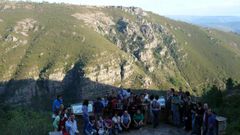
[147, 53]
[133, 10]
[26, 25]
[149, 43]
[55, 81]
[5, 5]
[111, 72]
[18, 35]
[99, 21]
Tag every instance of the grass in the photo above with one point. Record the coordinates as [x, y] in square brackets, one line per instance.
[207, 59]
[24, 121]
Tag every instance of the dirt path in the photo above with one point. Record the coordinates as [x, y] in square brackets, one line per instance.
[163, 129]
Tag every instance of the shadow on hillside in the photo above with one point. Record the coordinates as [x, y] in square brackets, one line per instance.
[40, 93]
[74, 87]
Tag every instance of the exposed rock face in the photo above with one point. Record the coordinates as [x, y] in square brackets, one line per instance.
[84, 81]
[111, 72]
[98, 21]
[55, 83]
[11, 38]
[26, 25]
[86, 51]
[19, 33]
[133, 10]
[8, 6]
[149, 43]
[14, 5]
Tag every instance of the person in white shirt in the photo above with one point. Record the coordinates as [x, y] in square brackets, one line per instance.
[71, 125]
[101, 126]
[116, 123]
[146, 96]
[155, 110]
[162, 102]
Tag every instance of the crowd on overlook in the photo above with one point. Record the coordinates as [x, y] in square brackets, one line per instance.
[124, 110]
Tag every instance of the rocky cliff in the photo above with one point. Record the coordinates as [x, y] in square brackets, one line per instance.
[87, 51]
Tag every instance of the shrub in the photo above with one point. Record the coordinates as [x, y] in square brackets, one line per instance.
[214, 96]
[23, 121]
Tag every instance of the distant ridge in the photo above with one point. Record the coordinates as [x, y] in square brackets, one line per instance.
[224, 23]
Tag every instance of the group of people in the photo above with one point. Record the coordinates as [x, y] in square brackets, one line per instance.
[194, 116]
[123, 110]
[116, 113]
[63, 120]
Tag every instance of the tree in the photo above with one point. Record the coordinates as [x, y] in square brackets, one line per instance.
[229, 84]
[213, 96]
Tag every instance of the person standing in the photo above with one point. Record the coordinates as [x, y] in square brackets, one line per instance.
[205, 119]
[98, 108]
[150, 113]
[187, 116]
[123, 94]
[211, 122]
[168, 107]
[156, 111]
[181, 105]
[63, 119]
[198, 120]
[56, 121]
[85, 115]
[175, 109]
[57, 103]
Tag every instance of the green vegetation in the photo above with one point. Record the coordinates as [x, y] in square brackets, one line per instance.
[210, 53]
[52, 40]
[226, 103]
[58, 40]
[24, 121]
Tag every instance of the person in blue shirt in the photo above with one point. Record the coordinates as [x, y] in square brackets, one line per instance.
[91, 127]
[211, 122]
[57, 103]
[85, 116]
[126, 120]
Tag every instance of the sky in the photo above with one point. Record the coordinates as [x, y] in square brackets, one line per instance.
[170, 7]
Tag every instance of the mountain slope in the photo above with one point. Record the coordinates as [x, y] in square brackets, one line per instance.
[51, 48]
